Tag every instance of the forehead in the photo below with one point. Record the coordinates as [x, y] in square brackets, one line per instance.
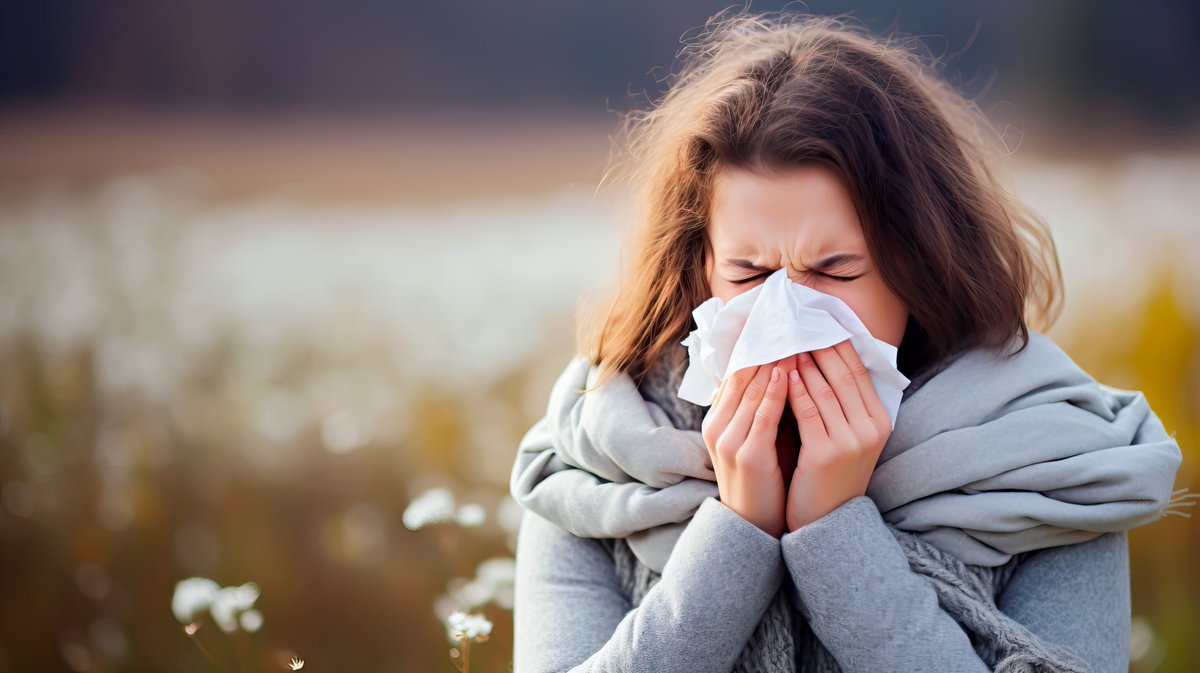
[805, 209]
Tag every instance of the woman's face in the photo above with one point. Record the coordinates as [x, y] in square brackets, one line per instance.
[802, 219]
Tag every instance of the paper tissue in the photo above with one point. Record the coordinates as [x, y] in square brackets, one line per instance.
[772, 321]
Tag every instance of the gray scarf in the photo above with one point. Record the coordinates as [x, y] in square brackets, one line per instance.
[978, 445]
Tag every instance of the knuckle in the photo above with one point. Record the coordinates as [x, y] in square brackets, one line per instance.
[747, 461]
[857, 368]
[725, 448]
[739, 378]
[869, 436]
[826, 393]
[808, 411]
[848, 380]
[755, 390]
[854, 443]
[883, 425]
[823, 459]
[741, 459]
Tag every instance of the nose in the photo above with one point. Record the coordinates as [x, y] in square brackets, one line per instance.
[793, 275]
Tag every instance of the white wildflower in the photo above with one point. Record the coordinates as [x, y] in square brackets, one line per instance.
[470, 594]
[498, 570]
[508, 515]
[471, 514]
[499, 573]
[231, 600]
[464, 626]
[251, 620]
[191, 596]
[432, 506]
[493, 583]
[227, 605]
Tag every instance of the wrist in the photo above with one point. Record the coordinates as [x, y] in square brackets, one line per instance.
[801, 516]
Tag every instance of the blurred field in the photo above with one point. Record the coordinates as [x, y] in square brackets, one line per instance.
[242, 351]
[366, 158]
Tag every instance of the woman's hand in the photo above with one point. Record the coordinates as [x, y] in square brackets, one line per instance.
[843, 427]
[739, 430]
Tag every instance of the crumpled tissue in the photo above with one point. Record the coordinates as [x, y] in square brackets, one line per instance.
[776, 319]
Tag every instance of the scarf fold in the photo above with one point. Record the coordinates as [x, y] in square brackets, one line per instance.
[991, 456]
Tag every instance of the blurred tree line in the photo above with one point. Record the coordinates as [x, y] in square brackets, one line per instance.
[1091, 66]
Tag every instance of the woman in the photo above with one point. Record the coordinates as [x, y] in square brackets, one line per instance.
[984, 532]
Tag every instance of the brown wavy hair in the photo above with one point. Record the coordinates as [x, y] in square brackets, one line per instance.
[772, 90]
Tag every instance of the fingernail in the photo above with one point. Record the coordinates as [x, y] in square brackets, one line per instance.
[794, 376]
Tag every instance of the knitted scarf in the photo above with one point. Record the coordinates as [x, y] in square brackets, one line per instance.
[981, 443]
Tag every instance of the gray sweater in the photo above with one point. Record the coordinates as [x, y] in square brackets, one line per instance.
[1020, 476]
[862, 600]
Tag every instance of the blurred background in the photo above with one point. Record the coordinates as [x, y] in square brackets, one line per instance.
[282, 284]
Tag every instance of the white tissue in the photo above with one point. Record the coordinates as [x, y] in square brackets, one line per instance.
[772, 321]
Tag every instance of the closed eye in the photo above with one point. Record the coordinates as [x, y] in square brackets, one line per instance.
[830, 276]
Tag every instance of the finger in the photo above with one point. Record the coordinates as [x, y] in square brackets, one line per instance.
[804, 409]
[739, 426]
[710, 417]
[765, 425]
[704, 425]
[728, 398]
[862, 375]
[823, 395]
[720, 389]
[844, 384]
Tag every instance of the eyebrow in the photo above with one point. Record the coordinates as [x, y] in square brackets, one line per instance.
[827, 263]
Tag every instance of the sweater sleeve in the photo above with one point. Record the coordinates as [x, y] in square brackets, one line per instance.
[1077, 595]
[853, 584]
[570, 614]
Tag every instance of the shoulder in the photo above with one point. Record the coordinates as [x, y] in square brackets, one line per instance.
[544, 542]
[1037, 357]
[1014, 376]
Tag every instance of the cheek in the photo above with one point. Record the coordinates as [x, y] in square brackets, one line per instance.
[879, 309]
[727, 291]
